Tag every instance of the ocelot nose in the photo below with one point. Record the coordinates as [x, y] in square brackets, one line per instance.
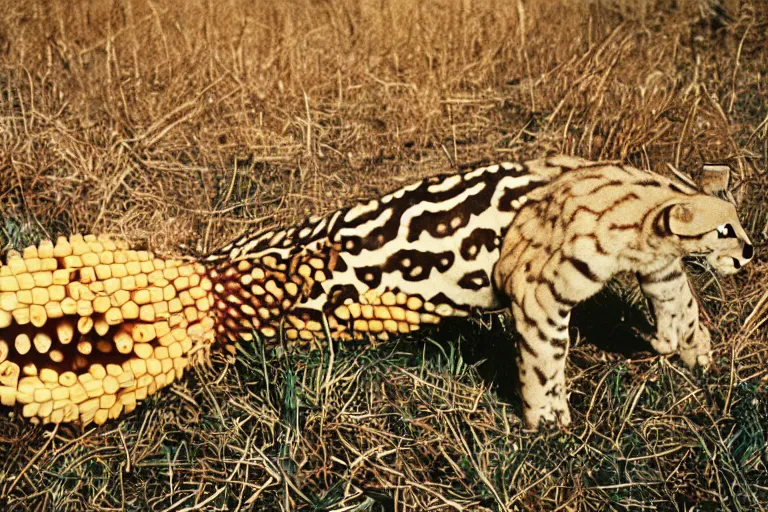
[747, 251]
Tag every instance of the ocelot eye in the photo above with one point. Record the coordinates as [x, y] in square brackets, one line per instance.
[725, 231]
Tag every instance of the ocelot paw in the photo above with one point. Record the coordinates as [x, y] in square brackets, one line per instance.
[549, 414]
[697, 349]
[661, 345]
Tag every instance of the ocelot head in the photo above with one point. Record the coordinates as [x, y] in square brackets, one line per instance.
[709, 226]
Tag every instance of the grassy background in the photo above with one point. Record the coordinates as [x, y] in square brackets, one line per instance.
[180, 124]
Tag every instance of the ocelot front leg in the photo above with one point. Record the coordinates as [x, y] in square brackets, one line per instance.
[678, 329]
[542, 297]
[542, 307]
[542, 352]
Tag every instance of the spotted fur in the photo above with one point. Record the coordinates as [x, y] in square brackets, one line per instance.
[538, 237]
[385, 266]
[584, 228]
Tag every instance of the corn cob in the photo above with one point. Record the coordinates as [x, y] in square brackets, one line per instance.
[89, 327]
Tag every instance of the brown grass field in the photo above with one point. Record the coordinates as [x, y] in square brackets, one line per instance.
[178, 125]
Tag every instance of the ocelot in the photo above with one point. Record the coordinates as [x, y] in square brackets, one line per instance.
[88, 328]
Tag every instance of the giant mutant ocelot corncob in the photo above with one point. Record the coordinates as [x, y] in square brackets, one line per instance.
[89, 327]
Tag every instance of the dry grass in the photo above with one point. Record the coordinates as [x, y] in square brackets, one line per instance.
[180, 124]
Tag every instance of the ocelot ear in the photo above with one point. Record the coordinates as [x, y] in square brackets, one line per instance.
[694, 216]
[677, 219]
[680, 219]
[714, 179]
